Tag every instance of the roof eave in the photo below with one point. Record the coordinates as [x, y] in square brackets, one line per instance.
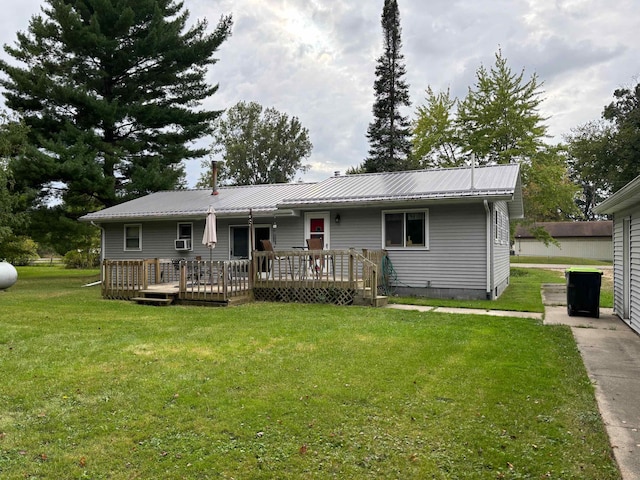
[385, 201]
[235, 213]
[621, 200]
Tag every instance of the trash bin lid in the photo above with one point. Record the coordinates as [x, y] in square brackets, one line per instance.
[583, 270]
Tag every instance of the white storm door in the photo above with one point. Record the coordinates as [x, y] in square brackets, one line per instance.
[316, 225]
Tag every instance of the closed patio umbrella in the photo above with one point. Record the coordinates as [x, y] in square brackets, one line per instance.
[210, 237]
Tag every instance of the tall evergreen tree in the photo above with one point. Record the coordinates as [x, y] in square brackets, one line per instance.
[111, 91]
[389, 133]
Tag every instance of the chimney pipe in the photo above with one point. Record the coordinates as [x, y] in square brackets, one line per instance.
[214, 177]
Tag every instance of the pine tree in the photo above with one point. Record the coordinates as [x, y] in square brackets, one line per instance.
[389, 133]
[112, 93]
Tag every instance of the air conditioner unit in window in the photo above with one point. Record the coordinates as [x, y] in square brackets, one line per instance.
[183, 244]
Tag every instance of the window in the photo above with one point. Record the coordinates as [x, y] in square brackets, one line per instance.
[185, 231]
[501, 227]
[133, 237]
[405, 229]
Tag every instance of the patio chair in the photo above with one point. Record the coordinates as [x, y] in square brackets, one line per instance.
[267, 246]
[316, 261]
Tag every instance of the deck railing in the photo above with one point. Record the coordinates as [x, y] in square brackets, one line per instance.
[193, 279]
[214, 280]
[123, 279]
[314, 269]
[315, 273]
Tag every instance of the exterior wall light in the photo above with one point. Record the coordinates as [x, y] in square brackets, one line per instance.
[338, 218]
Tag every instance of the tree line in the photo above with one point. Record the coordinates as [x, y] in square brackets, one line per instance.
[497, 122]
[107, 101]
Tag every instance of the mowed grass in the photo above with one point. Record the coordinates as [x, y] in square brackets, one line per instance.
[522, 295]
[557, 260]
[108, 389]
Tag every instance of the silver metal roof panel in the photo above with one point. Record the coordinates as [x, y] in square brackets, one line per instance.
[493, 182]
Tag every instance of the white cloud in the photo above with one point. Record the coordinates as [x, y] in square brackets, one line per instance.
[315, 59]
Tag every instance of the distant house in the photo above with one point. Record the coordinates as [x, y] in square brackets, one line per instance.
[576, 239]
[624, 205]
[446, 232]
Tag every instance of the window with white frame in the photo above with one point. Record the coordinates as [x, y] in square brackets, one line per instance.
[501, 227]
[133, 237]
[405, 229]
[185, 231]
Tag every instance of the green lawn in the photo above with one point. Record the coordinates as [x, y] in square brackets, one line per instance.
[557, 260]
[522, 295]
[109, 389]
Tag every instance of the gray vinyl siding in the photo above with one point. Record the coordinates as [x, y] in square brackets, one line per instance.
[455, 259]
[457, 246]
[456, 255]
[157, 241]
[618, 268]
[457, 250]
[634, 314]
[501, 251]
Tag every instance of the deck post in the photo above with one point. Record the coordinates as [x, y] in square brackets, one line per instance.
[351, 260]
[157, 265]
[182, 290]
[225, 274]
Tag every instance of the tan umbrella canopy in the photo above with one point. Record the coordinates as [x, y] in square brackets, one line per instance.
[210, 237]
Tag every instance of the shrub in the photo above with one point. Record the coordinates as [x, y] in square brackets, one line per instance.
[81, 259]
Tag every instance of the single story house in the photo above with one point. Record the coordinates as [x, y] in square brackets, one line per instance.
[624, 205]
[575, 239]
[445, 231]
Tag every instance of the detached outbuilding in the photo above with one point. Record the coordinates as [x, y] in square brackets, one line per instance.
[443, 232]
[624, 205]
[575, 239]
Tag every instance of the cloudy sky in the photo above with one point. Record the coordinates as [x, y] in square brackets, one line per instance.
[315, 59]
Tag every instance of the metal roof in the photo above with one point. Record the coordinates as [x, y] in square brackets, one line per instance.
[489, 182]
[453, 184]
[230, 201]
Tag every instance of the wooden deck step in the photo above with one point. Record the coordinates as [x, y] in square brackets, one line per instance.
[153, 301]
[150, 297]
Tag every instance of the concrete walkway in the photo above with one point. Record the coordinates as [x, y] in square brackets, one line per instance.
[610, 351]
[468, 311]
[611, 354]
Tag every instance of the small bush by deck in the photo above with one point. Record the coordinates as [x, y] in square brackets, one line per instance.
[109, 389]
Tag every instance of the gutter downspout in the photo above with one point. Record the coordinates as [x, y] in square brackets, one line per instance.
[102, 243]
[488, 253]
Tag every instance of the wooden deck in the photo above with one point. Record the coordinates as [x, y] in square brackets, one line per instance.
[342, 277]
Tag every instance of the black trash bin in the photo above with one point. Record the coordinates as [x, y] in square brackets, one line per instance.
[583, 291]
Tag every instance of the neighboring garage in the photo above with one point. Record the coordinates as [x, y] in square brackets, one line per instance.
[577, 239]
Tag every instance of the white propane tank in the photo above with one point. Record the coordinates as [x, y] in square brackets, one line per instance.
[8, 275]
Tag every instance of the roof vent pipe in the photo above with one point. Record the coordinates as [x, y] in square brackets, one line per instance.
[214, 177]
[336, 173]
[473, 168]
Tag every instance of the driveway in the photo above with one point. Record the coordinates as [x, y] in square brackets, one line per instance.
[611, 354]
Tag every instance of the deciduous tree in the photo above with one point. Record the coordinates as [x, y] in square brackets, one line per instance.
[499, 121]
[258, 146]
[435, 142]
[548, 192]
[624, 115]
